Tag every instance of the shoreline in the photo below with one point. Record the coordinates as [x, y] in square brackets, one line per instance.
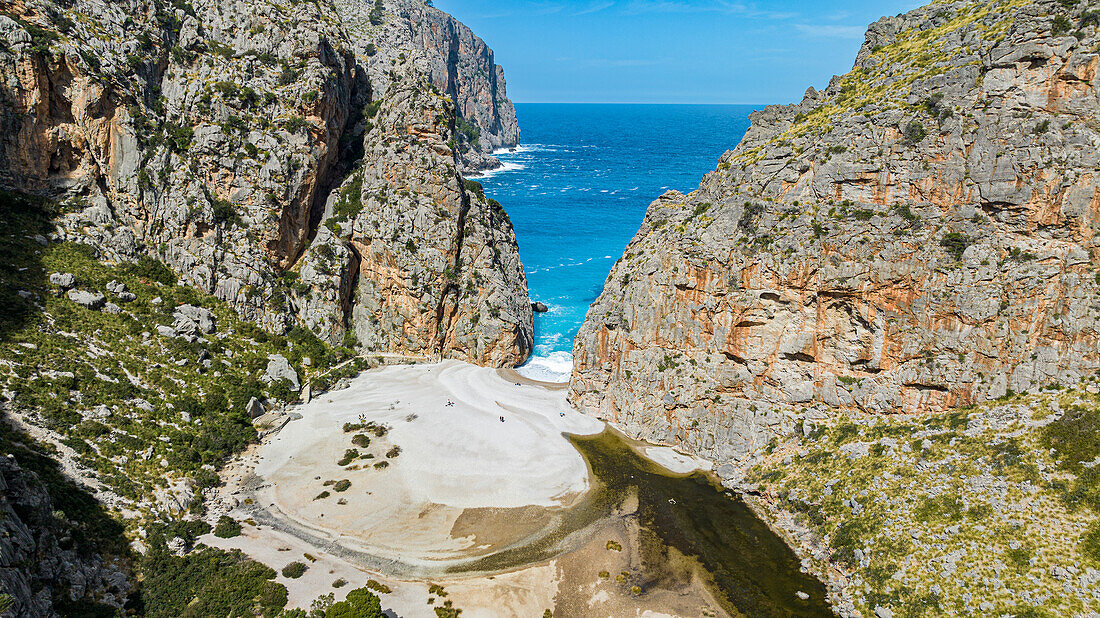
[276, 534]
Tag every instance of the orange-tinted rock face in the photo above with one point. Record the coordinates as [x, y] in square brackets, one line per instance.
[218, 140]
[923, 234]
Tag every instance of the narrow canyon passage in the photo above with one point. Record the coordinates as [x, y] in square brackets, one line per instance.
[577, 189]
[459, 474]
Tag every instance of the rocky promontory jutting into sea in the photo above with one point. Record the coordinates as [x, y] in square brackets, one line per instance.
[259, 330]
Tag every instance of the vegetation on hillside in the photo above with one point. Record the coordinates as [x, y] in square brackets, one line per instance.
[146, 414]
[992, 509]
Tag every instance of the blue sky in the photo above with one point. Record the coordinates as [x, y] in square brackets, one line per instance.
[670, 51]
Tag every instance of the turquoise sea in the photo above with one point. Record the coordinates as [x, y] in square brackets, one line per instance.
[577, 190]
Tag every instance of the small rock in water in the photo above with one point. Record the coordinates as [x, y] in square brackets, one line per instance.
[802, 595]
[539, 307]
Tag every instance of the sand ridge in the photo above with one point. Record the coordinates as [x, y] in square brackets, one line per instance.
[456, 455]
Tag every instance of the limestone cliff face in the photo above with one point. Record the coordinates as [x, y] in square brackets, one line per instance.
[202, 135]
[218, 136]
[921, 234]
[452, 58]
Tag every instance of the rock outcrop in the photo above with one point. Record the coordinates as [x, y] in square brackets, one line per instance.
[919, 235]
[49, 561]
[219, 137]
[453, 59]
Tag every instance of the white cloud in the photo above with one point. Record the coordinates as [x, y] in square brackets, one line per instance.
[830, 31]
[595, 8]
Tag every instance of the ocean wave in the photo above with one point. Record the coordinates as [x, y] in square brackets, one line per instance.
[554, 367]
[506, 166]
[546, 269]
[525, 148]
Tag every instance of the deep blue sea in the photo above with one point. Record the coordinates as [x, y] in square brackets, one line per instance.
[577, 190]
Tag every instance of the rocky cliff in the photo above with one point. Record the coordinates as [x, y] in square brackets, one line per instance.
[921, 234]
[59, 552]
[453, 60]
[240, 141]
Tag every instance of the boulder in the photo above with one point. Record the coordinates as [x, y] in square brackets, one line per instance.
[539, 307]
[255, 408]
[191, 319]
[63, 280]
[278, 368]
[88, 300]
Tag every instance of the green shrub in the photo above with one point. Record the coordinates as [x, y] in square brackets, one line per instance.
[224, 212]
[750, 217]
[294, 124]
[939, 508]
[1090, 543]
[208, 582]
[350, 202]
[342, 485]
[1075, 436]
[227, 528]
[361, 440]
[378, 586]
[914, 133]
[956, 243]
[1060, 25]
[361, 603]
[350, 455]
[376, 13]
[295, 569]
[179, 137]
[468, 131]
[151, 269]
[474, 187]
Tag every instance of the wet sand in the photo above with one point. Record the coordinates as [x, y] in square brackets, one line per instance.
[507, 516]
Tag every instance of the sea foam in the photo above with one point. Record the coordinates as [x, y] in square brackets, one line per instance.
[554, 367]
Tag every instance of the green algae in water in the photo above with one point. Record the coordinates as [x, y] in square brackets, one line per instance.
[751, 570]
[688, 523]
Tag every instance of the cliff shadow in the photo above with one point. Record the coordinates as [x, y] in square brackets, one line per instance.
[25, 223]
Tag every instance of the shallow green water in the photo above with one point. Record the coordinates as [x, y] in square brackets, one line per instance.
[750, 570]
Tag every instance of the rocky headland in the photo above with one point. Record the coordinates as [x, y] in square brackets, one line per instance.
[224, 139]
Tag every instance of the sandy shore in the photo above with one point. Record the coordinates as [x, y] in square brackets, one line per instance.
[458, 485]
[463, 484]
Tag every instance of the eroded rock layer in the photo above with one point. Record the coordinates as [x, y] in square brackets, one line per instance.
[921, 234]
[213, 134]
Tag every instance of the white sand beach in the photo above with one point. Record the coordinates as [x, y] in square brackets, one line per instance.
[673, 460]
[459, 484]
[459, 464]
